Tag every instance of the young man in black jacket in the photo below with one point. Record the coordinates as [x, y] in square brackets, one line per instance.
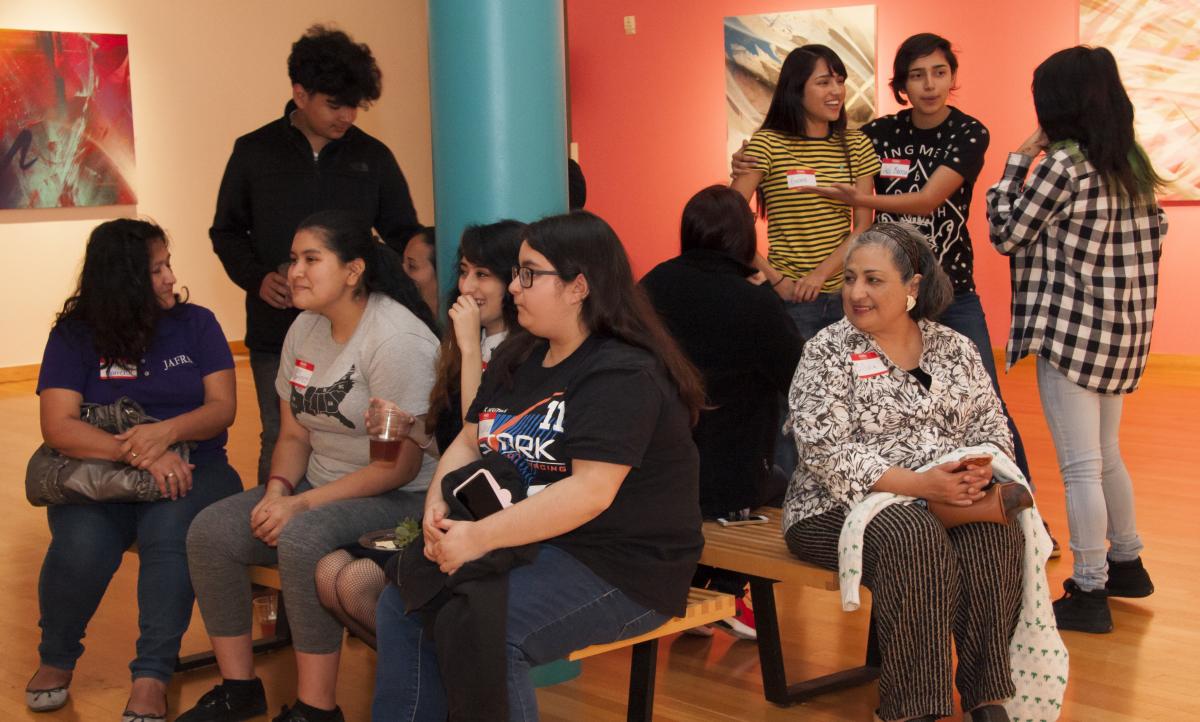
[311, 159]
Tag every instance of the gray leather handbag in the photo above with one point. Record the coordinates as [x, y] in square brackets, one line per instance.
[52, 478]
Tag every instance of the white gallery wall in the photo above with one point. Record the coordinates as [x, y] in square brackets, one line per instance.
[202, 73]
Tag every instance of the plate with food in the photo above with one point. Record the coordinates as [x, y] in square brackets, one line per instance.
[391, 540]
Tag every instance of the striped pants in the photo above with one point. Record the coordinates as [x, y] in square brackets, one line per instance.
[928, 583]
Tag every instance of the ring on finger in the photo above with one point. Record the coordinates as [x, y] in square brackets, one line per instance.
[133, 454]
[170, 474]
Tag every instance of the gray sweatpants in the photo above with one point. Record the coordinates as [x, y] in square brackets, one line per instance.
[221, 548]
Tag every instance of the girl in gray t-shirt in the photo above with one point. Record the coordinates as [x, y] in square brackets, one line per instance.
[365, 333]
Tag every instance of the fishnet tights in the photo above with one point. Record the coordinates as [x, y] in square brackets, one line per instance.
[349, 588]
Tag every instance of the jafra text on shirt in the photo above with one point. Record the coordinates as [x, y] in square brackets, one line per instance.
[174, 361]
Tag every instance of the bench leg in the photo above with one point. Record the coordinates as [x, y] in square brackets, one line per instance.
[282, 638]
[641, 681]
[770, 655]
[770, 648]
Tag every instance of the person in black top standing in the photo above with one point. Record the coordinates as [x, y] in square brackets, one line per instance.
[739, 335]
[313, 158]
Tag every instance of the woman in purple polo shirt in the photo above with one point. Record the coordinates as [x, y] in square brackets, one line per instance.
[125, 332]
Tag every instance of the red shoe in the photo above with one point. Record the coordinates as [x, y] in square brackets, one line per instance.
[741, 624]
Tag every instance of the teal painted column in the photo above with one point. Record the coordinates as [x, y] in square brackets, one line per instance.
[498, 101]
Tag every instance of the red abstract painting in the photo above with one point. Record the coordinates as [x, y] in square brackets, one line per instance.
[66, 121]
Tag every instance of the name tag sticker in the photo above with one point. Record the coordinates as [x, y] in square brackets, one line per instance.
[802, 178]
[486, 420]
[116, 372]
[301, 374]
[895, 168]
[868, 365]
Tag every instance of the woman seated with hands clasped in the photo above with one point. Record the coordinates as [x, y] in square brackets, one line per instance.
[364, 332]
[590, 402]
[877, 399]
[125, 333]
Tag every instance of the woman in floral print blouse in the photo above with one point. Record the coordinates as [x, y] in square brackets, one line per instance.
[877, 395]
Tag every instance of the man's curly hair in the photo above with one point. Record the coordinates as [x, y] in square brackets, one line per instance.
[327, 61]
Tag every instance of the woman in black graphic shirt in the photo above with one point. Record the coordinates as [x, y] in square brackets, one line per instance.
[592, 402]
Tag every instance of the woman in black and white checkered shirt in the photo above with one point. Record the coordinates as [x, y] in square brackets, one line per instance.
[1085, 234]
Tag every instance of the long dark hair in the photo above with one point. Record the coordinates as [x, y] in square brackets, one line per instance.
[786, 112]
[1079, 97]
[115, 297]
[581, 243]
[350, 237]
[493, 246]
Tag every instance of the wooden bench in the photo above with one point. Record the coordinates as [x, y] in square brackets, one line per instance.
[759, 552]
[704, 607]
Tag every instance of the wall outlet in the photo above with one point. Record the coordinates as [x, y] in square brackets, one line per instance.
[630, 25]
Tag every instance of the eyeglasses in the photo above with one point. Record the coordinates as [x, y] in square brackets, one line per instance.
[527, 275]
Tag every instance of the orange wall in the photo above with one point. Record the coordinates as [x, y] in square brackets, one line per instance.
[648, 113]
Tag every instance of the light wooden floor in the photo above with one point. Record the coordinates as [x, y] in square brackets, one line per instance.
[1139, 672]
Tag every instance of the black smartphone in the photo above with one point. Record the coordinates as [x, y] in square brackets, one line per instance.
[482, 495]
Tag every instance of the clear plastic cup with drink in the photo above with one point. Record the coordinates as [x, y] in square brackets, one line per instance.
[266, 612]
[387, 426]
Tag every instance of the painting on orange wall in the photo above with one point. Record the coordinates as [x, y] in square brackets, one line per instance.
[756, 45]
[66, 120]
[1157, 46]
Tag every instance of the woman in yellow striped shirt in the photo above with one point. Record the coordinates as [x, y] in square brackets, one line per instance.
[804, 142]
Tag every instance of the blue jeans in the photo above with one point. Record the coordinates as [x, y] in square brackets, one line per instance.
[812, 316]
[1085, 427]
[965, 315]
[86, 546]
[555, 606]
[265, 367]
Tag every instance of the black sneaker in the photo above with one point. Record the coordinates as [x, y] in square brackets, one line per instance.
[1128, 579]
[1080, 611]
[301, 712]
[228, 703]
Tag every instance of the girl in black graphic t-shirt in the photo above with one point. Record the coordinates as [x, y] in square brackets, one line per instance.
[592, 401]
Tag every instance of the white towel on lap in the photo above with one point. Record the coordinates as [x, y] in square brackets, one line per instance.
[1037, 654]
